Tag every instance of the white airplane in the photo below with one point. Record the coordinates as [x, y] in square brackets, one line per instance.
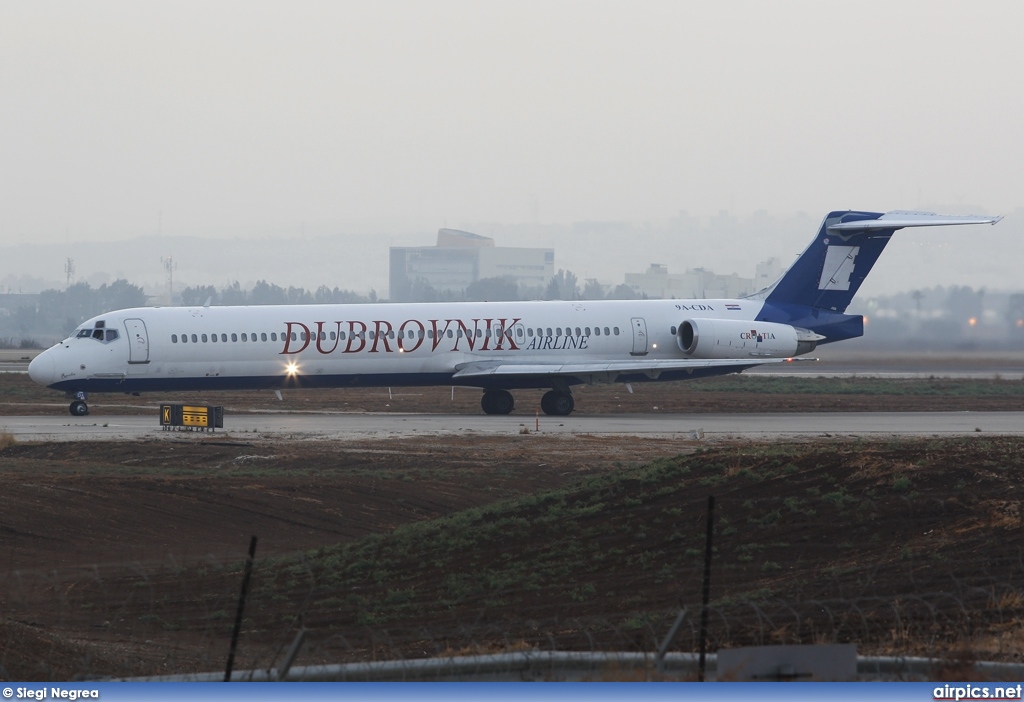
[495, 346]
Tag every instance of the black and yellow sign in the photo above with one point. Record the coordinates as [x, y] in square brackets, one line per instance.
[200, 417]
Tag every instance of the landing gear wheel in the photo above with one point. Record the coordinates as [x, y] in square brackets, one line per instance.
[497, 402]
[557, 403]
[79, 408]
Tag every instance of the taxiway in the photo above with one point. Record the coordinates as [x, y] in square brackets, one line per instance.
[346, 426]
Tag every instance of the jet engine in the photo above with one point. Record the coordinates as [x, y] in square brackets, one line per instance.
[735, 338]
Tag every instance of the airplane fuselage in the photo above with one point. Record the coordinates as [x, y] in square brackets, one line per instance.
[190, 348]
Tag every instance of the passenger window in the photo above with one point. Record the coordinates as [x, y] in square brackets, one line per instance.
[391, 334]
[174, 338]
[529, 332]
[195, 339]
[450, 334]
[332, 336]
[578, 332]
[597, 331]
[430, 333]
[213, 338]
[263, 336]
[616, 331]
[519, 332]
[224, 337]
[549, 332]
[586, 331]
[341, 335]
[273, 336]
[606, 332]
[245, 337]
[234, 337]
[204, 338]
[293, 337]
[460, 333]
[672, 331]
[479, 333]
[558, 331]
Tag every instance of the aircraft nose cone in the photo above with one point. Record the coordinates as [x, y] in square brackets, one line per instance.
[41, 369]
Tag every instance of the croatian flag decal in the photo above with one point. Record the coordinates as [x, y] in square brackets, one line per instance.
[732, 306]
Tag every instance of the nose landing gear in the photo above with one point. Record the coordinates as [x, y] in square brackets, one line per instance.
[79, 408]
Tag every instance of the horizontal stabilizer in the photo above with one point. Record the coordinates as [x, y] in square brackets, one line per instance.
[898, 219]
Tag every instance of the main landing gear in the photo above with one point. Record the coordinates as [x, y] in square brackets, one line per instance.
[557, 402]
[554, 402]
[79, 408]
[497, 402]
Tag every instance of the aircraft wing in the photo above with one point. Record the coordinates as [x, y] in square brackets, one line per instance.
[607, 371]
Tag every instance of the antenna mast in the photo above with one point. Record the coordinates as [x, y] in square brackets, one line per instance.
[169, 266]
[69, 271]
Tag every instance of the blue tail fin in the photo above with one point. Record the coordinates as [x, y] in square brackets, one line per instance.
[815, 292]
[830, 271]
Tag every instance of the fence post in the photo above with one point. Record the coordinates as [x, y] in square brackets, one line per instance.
[706, 594]
[241, 609]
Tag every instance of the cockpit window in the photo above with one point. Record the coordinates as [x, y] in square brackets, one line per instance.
[99, 333]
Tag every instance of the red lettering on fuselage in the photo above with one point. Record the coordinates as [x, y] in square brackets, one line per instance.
[470, 334]
[289, 335]
[417, 336]
[484, 335]
[438, 333]
[353, 335]
[380, 333]
[320, 336]
[506, 330]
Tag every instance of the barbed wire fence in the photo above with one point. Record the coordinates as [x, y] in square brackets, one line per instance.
[162, 618]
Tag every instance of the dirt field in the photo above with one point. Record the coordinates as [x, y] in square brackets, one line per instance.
[126, 558]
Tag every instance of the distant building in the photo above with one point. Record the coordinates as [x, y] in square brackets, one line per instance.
[461, 258]
[767, 272]
[657, 283]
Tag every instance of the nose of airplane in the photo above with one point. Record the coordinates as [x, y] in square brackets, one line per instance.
[41, 369]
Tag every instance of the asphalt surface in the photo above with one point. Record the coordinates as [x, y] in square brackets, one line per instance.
[339, 427]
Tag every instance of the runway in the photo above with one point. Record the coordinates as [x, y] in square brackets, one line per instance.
[341, 427]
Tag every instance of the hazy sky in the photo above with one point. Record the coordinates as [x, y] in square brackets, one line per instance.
[222, 118]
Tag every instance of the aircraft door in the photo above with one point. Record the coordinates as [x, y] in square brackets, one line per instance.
[138, 341]
[639, 337]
